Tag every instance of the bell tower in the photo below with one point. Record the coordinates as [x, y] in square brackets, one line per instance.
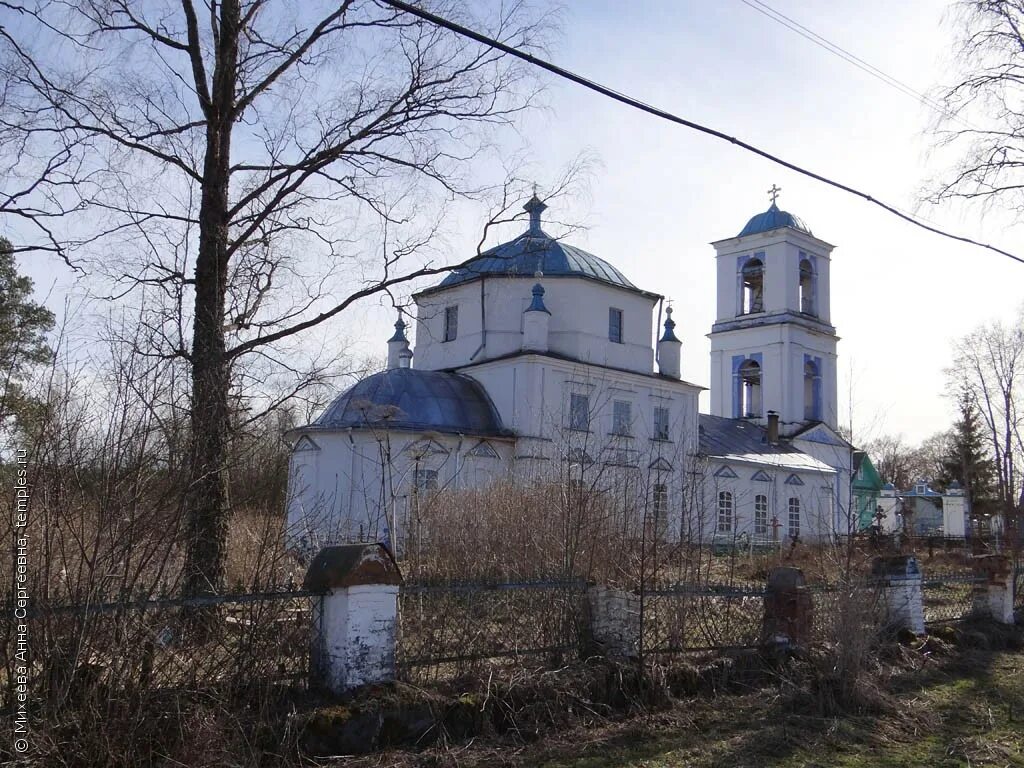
[773, 347]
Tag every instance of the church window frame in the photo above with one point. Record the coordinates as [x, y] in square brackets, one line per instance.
[579, 412]
[752, 286]
[750, 389]
[812, 389]
[659, 501]
[793, 519]
[615, 325]
[424, 480]
[622, 418]
[660, 424]
[725, 512]
[451, 322]
[761, 515]
[807, 283]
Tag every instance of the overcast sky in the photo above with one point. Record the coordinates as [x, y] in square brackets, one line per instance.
[661, 193]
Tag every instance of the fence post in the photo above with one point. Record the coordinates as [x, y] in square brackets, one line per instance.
[899, 578]
[993, 598]
[614, 620]
[788, 609]
[355, 616]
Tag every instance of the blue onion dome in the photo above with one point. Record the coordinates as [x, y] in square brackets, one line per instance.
[773, 218]
[535, 251]
[421, 401]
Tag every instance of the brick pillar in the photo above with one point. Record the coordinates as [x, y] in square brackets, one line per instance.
[899, 578]
[614, 620]
[788, 609]
[355, 616]
[993, 598]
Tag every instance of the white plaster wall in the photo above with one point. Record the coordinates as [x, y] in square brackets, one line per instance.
[349, 490]
[359, 627]
[781, 250]
[815, 495]
[578, 325]
[782, 346]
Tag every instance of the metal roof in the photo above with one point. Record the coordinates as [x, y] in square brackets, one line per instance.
[773, 218]
[742, 440]
[535, 251]
[423, 401]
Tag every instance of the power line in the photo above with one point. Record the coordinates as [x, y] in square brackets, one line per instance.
[837, 50]
[657, 112]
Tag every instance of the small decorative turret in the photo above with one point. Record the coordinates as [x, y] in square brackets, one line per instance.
[669, 349]
[535, 207]
[399, 354]
[536, 321]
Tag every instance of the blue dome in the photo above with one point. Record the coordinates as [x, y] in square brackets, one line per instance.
[771, 219]
[423, 401]
[535, 251]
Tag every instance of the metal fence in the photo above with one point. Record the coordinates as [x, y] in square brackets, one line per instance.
[949, 597]
[449, 630]
[681, 618]
[230, 642]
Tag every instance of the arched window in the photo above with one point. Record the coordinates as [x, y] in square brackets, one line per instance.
[760, 515]
[794, 517]
[812, 405]
[807, 287]
[753, 287]
[750, 389]
[724, 512]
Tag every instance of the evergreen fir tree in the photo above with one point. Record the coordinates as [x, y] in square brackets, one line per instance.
[967, 461]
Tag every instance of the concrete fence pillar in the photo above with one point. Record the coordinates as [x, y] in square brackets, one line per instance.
[788, 609]
[355, 616]
[899, 578]
[993, 597]
[614, 616]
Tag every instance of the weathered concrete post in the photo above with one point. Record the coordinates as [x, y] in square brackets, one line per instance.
[355, 619]
[899, 578]
[993, 598]
[788, 609]
[614, 621]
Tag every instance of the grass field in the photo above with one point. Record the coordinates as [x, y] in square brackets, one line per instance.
[969, 712]
[940, 706]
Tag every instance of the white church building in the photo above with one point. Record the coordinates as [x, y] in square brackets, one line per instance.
[540, 362]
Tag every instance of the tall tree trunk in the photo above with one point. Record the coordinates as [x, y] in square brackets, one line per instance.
[206, 500]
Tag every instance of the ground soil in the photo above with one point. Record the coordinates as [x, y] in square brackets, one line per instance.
[945, 704]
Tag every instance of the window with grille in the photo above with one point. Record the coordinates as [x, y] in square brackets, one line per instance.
[794, 517]
[760, 515]
[451, 323]
[660, 501]
[579, 412]
[660, 423]
[622, 417]
[724, 512]
[425, 479]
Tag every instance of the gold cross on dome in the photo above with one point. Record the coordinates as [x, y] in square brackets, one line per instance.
[774, 192]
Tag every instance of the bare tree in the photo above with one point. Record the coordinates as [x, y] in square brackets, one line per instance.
[237, 157]
[989, 365]
[983, 119]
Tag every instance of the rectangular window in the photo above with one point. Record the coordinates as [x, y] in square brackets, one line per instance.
[660, 423]
[451, 323]
[760, 515]
[724, 512]
[425, 479]
[622, 417]
[794, 518]
[579, 412]
[615, 325]
[660, 501]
